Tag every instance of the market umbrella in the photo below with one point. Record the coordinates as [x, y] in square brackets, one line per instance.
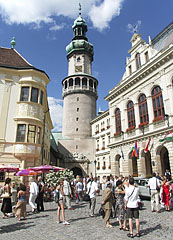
[6, 168]
[56, 169]
[43, 168]
[26, 172]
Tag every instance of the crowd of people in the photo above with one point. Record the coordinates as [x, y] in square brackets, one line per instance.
[120, 198]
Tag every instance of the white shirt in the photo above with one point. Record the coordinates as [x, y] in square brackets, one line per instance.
[34, 188]
[66, 188]
[132, 198]
[93, 188]
[79, 187]
[152, 183]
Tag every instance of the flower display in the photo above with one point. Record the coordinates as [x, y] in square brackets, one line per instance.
[52, 178]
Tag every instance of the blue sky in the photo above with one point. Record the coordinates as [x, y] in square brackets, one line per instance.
[42, 29]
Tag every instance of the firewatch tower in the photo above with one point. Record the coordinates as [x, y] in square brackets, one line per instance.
[79, 92]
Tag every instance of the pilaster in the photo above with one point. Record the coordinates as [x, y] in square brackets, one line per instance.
[5, 107]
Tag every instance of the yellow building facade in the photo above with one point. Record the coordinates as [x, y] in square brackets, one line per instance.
[24, 113]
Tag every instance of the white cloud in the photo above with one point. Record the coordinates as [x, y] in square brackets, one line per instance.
[56, 112]
[57, 27]
[103, 13]
[100, 12]
[134, 27]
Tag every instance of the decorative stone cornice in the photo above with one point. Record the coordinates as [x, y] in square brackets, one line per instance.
[100, 116]
[160, 59]
[128, 141]
[80, 75]
[83, 91]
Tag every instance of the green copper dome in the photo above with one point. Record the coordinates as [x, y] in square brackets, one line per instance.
[80, 22]
[80, 41]
[80, 45]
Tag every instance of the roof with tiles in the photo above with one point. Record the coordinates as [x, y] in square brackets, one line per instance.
[11, 58]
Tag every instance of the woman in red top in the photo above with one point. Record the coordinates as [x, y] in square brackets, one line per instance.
[166, 193]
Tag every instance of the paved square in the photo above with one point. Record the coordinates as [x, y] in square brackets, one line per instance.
[43, 226]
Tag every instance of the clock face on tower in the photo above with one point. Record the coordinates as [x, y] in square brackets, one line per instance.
[78, 68]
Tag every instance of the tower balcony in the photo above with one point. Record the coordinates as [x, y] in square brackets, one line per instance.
[80, 84]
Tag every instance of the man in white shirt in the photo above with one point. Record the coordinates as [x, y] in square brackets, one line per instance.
[33, 195]
[153, 184]
[67, 193]
[92, 188]
[131, 204]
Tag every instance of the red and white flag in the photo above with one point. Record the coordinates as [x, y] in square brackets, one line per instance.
[146, 149]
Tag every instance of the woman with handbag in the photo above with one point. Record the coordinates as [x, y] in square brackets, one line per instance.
[6, 203]
[120, 207]
[60, 200]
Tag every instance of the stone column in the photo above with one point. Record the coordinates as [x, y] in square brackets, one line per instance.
[150, 112]
[130, 166]
[137, 120]
[142, 166]
[158, 166]
[4, 108]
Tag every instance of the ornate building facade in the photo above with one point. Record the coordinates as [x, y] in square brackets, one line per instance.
[24, 116]
[140, 111]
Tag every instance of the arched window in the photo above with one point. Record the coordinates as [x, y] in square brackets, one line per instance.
[65, 84]
[84, 82]
[78, 59]
[138, 61]
[118, 120]
[70, 82]
[131, 115]
[77, 81]
[91, 83]
[143, 109]
[158, 106]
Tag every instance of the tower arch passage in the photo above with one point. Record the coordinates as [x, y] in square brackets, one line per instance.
[77, 171]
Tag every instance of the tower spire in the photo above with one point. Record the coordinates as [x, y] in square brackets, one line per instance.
[80, 8]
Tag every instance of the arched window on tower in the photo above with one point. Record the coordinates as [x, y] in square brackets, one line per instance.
[71, 82]
[65, 84]
[84, 82]
[138, 61]
[131, 115]
[77, 81]
[95, 85]
[78, 59]
[118, 121]
[158, 106]
[91, 83]
[143, 109]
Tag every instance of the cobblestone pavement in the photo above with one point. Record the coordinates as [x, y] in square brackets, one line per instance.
[43, 226]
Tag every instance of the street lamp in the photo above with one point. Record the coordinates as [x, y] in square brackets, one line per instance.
[95, 161]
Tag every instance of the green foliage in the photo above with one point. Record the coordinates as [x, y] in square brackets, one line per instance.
[52, 178]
